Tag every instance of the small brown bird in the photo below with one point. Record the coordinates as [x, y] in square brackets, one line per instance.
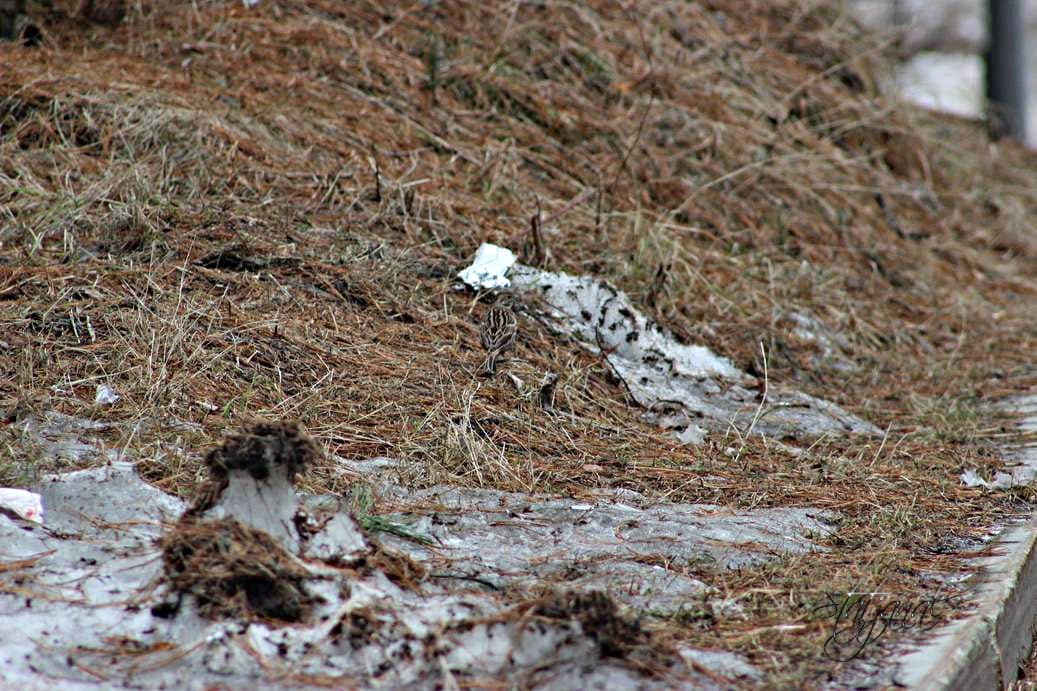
[498, 332]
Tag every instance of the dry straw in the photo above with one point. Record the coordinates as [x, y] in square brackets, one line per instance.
[229, 213]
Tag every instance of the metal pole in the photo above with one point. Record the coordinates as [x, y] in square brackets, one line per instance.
[1006, 66]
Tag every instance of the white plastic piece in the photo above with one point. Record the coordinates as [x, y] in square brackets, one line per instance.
[970, 478]
[489, 268]
[22, 502]
[105, 395]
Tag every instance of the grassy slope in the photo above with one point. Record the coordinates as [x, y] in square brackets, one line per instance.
[741, 146]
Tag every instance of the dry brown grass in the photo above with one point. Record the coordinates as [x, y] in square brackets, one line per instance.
[232, 214]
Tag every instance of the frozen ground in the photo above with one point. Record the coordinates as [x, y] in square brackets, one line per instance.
[122, 585]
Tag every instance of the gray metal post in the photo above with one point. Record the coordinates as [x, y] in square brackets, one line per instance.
[1006, 65]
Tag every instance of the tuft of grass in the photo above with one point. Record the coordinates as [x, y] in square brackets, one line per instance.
[361, 504]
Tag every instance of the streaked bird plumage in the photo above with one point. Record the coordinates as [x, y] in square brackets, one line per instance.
[497, 333]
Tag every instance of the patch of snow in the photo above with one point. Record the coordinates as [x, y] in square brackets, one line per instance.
[683, 388]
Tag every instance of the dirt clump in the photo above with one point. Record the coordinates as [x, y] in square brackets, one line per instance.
[597, 615]
[235, 572]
